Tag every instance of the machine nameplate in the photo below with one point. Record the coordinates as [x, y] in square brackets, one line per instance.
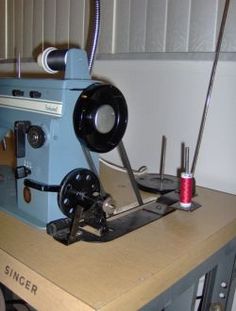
[20, 279]
[52, 108]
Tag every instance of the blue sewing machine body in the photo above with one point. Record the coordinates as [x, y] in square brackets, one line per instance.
[44, 108]
[56, 124]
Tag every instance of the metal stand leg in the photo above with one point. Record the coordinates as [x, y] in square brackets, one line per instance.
[232, 291]
[126, 163]
[186, 301]
[218, 291]
[219, 286]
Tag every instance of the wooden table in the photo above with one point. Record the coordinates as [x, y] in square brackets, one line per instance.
[135, 271]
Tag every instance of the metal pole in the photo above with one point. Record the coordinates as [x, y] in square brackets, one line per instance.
[163, 158]
[126, 163]
[210, 86]
[186, 160]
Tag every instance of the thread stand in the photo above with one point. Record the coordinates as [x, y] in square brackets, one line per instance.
[155, 183]
[159, 183]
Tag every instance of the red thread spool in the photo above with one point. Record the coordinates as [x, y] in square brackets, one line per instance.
[186, 188]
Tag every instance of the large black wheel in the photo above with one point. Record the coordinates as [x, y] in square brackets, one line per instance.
[100, 117]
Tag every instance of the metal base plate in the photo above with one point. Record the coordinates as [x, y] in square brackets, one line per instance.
[193, 207]
[118, 225]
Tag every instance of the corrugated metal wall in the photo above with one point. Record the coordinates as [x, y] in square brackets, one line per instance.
[127, 26]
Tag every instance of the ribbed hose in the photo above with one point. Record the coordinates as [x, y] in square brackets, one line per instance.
[95, 35]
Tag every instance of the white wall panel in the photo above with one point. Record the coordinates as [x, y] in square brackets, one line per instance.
[87, 22]
[138, 18]
[49, 22]
[77, 23]
[122, 37]
[3, 29]
[10, 42]
[107, 35]
[18, 27]
[221, 4]
[229, 39]
[38, 25]
[62, 23]
[28, 28]
[156, 25]
[178, 19]
[202, 25]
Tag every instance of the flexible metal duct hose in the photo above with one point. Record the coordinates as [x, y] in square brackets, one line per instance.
[95, 33]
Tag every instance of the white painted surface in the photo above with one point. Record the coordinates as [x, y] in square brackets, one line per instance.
[3, 29]
[167, 98]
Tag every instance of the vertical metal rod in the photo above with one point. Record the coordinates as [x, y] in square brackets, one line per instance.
[186, 160]
[163, 158]
[210, 86]
[19, 66]
[126, 163]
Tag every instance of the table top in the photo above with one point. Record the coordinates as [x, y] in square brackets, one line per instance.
[124, 274]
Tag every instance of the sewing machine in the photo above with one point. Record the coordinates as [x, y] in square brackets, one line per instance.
[56, 123]
[60, 126]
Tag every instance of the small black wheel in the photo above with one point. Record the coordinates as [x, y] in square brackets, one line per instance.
[79, 187]
[100, 117]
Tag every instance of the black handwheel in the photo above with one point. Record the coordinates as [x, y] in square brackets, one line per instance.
[79, 187]
[100, 117]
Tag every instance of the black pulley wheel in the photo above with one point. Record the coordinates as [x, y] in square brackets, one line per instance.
[79, 187]
[100, 117]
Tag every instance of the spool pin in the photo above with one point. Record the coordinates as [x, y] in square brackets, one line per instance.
[186, 187]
